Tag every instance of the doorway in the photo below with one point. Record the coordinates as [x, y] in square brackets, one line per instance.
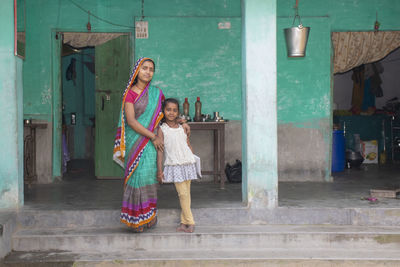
[78, 105]
[366, 111]
[93, 76]
[376, 118]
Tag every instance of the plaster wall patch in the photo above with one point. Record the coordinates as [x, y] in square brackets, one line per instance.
[46, 96]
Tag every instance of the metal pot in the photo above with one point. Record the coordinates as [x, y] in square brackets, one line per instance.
[354, 159]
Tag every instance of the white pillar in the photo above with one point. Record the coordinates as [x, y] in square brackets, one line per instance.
[260, 188]
[11, 152]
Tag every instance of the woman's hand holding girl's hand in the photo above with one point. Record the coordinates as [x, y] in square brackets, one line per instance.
[160, 177]
[158, 143]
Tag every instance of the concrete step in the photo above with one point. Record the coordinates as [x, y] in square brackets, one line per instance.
[249, 237]
[240, 215]
[237, 257]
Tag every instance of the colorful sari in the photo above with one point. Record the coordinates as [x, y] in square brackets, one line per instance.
[138, 156]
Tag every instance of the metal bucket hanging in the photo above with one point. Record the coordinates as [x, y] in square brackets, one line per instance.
[296, 38]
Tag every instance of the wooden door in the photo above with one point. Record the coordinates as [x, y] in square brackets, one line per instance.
[112, 61]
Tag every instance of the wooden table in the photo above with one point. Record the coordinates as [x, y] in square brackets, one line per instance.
[30, 151]
[219, 148]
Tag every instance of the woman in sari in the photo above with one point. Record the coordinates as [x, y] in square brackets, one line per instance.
[136, 144]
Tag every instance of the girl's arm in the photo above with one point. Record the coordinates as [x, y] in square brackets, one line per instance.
[140, 129]
[160, 157]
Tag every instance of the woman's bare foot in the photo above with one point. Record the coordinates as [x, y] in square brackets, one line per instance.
[140, 229]
[181, 228]
[189, 228]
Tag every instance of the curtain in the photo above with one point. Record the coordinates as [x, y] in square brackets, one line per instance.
[352, 49]
[83, 39]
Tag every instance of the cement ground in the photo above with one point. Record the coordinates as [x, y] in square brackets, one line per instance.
[79, 189]
[317, 224]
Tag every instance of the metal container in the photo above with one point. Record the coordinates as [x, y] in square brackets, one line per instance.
[354, 159]
[296, 40]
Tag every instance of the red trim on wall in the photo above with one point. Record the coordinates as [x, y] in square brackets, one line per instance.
[15, 27]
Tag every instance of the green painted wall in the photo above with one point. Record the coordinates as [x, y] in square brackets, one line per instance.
[21, 15]
[11, 176]
[195, 58]
[303, 84]
[20, 129]
[304, 87]
[45, 15]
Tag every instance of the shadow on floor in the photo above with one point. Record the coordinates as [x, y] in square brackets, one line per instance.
[79, 189]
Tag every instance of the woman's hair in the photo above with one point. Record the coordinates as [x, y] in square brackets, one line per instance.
[154, 65]
[166, 101]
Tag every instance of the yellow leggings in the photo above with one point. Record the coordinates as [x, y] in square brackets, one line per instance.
[183, 190]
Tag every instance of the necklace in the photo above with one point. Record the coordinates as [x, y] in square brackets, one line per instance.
[137, 87]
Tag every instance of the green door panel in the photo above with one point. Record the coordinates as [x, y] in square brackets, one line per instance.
[112, 61]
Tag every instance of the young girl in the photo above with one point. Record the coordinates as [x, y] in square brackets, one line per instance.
[179, 164]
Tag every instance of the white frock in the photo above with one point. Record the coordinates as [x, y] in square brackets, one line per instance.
[179, 162]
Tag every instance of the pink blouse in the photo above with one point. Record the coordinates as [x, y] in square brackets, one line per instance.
[131, 97]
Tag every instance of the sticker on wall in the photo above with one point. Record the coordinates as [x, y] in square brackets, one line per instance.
[224, 25]
[142, 29]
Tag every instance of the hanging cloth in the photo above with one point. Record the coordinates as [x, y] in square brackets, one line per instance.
[352, 49]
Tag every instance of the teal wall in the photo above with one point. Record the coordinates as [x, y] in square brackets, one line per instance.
[304, 84]
[45, 15]
[206, 61]
[21, 15]
[304, 87]
[11, 173]
[79, 98]
[196, 59]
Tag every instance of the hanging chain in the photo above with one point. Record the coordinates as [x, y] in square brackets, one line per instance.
[142, 9]
[296, 14]
[89, 25]
[377, 24]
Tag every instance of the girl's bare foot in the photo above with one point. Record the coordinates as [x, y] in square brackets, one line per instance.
[189, 228]
[181, 228]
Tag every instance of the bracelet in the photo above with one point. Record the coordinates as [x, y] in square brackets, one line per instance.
[154, 138]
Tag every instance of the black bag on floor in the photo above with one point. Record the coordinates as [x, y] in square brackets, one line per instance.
[234, 172]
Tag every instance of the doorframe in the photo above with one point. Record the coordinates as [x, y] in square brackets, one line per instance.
[56, 78]
[56, 47]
